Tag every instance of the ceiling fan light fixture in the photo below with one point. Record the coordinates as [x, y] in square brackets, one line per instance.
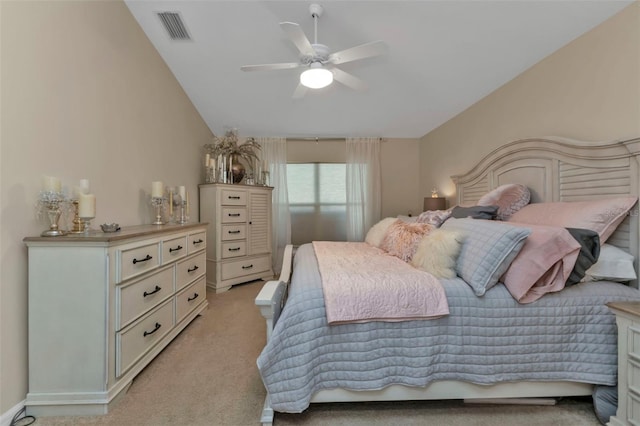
[316, 77]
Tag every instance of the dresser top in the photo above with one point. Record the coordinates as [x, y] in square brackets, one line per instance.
[126, 233]
[632, 308]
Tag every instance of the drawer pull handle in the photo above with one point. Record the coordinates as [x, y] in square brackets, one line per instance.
[234, 232]
[234, 214]
[195, 268]
[195, 296]
[234, 197]
[156, 328]
[142, 260]
[198, 242]
[248, 267]
[149, 293]
[234, 249]
[175, 249]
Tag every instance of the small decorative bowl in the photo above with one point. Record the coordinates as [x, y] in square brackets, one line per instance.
[110, 227]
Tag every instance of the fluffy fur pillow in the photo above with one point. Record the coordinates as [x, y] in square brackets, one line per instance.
[437, 253]
[377, 231]
[402, 239]
[509, 198]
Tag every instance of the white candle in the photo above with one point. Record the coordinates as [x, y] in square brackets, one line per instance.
[51, 184]
[84, 186]
[87, 206]
[264, 166]
[207, 159]
[181, 191]
[157, 189]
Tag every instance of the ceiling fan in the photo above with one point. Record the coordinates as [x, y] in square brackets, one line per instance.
[317, 59]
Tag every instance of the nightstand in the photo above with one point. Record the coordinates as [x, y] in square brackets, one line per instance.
[628, 320]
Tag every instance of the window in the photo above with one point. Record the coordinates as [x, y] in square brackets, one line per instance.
[317, 202]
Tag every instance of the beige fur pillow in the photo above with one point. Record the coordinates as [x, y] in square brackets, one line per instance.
[402, 239]
[377, 231]
[437, 253]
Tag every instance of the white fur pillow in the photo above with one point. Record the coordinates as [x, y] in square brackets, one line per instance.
[378, 231]
[437, 253]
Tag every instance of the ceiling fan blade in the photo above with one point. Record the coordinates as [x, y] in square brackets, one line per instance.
[362, 51]
[298, 37]
[299, 92]
[348, 80]
[268, 67]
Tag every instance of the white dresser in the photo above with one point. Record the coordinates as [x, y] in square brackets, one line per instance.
[102, 306]
[239, 233]
[628, 320]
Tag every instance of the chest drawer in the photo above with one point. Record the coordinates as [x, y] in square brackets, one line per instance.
[137, 260]
[234, 215]
[134, 341]
[189, 269]
[173, 249]
[196, 242]
[188, 299]
[132, 300]
[234, 249]
[232, 197]
[245, 267]
[234, 232]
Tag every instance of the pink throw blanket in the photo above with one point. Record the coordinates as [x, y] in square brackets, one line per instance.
[362, 283]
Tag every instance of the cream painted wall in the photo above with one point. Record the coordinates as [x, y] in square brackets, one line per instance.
[587, 90]
[84, 95]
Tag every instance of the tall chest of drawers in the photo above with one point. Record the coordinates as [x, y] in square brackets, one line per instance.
[102, 306]
[239, 233]
[628, 321]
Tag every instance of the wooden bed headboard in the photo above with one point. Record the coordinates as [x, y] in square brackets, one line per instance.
[557, 169]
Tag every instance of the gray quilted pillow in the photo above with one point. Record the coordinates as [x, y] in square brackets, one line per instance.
[487, 250]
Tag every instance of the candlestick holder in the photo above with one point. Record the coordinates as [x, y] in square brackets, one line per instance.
[86, 224]
[158, 204]
[50, 202]
[184, 217]
[78, 225]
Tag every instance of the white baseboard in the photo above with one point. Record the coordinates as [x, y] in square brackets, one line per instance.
[5, 419]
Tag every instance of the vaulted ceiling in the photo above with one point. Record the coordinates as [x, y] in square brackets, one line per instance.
[443, 56]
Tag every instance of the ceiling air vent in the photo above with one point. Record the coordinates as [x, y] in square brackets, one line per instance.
[174, 25]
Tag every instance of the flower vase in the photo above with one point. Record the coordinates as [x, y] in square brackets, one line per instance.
[237, 169]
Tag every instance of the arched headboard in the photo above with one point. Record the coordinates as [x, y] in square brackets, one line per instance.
[557, 169]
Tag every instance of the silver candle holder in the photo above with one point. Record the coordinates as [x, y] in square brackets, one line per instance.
[184, 214]
[158, 204]
[49, 202]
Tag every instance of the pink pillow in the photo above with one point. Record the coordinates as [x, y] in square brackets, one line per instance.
[434, 217]
[509, 198]
[602, 216]
[402, 239]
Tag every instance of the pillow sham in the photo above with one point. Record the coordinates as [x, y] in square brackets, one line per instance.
[487, 250]
[588, 255]
[475, 212]
[376, 233]
[602, 216]
[614, 264]
[437, 253]
[407, 219]
[402, 239]
[434, 217]
[509, 198]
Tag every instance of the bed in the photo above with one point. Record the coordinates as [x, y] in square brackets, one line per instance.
[491, 346]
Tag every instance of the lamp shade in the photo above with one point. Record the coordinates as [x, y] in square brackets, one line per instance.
[316, 77]
[433, 203]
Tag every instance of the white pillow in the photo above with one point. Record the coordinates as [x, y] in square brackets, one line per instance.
[437, 253]
[377, 232]
[613, 264]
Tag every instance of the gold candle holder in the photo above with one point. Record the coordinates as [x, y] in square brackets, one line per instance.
[78, 224]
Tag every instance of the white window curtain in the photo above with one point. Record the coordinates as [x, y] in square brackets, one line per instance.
[363, 186]
[274, 153]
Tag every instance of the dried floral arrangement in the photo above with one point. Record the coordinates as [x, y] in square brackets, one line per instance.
[228, 145]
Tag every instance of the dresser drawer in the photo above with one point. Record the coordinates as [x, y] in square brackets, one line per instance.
[633, 409]
[189, 298]
[239, 268]
[234, 198]
[234, 215]
[132, 300]
[134, 341]
[196, 242]
[137, 260]
[234, 232]
[189, 269]
[234, 249]
[173, 249]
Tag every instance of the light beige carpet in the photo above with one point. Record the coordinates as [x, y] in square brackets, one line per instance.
[208, 376]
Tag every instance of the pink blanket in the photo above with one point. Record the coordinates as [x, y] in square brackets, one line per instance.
[362, 283]
[543, 265]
